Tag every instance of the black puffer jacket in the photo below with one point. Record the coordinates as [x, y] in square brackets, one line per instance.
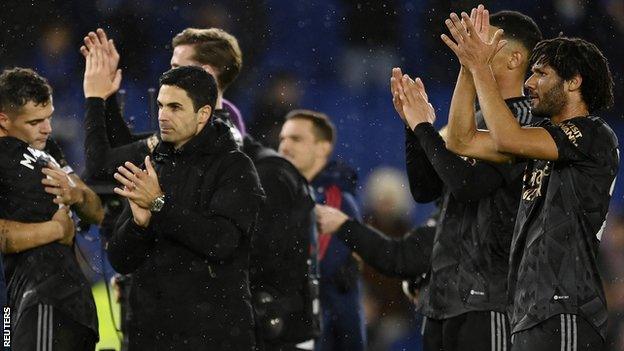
[190, 289]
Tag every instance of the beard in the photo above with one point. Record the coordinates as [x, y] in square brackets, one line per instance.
[552, 103]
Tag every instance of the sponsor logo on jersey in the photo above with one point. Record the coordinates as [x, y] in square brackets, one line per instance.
[572, 132]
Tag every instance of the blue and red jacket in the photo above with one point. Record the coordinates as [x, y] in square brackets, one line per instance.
[340, 288]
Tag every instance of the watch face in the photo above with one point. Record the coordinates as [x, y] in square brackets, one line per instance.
[158, 204]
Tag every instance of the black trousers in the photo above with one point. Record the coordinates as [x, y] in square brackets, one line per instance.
[44, 328]
[565, 332]
[472, 331]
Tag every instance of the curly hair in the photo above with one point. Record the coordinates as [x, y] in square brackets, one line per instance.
[574, 56]
[19, 85]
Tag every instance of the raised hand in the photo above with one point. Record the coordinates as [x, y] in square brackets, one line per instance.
[468, 45]
[416, 106]
[396, 90]
[480, 18]
[100, 40]
[97, 81]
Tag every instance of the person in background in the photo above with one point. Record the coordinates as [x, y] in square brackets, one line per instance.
[307, 140]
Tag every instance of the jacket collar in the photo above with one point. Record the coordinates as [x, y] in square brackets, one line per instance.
[215, 137]
[338, 173]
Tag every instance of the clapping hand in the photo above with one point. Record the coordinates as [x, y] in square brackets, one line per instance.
[470, 38]
[415, 102]
[141, 188]
[102, 77]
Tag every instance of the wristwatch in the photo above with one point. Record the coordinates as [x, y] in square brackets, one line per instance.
[157, 204]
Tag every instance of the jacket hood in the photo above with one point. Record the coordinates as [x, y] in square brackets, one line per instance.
[230, 121]
[255, 150]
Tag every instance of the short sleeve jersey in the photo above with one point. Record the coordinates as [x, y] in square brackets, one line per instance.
[562, 213]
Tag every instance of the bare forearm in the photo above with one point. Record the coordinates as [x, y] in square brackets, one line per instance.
[90, 209]
[501, 122]
[463, 137]
[17, 236]
[461, 127]
[89, 206]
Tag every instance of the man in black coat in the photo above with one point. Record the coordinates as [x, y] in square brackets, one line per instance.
[186, 232]
[281, 240]
[279, 270]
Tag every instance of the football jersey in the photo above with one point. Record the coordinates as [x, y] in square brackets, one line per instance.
[47, 274]
[470, 257]
[553, 263]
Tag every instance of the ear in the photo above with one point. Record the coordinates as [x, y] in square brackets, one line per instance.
[515, 60]
[574, 83]
[5, 122]
[325, 148]
[204, 114]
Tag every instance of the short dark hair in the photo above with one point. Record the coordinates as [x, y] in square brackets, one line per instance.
[323, 127]
[198, 84]
[19, 85]
[215, 47]
[572, 56]
[517, 26]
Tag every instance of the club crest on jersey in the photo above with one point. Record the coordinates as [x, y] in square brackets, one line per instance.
[30, 160]
[533, 189]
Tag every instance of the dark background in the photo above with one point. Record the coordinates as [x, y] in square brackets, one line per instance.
[334, 56]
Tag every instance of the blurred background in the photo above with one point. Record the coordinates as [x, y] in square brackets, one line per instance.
[334, 56]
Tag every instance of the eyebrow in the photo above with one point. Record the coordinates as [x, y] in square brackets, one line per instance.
[40, 119]
[36, 120]
[170, 104]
